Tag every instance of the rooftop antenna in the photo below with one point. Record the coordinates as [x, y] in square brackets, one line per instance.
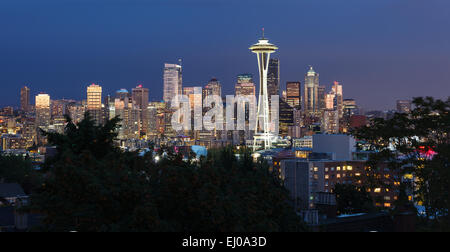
[263, 32]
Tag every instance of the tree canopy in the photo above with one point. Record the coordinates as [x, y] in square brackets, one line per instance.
[417, 145]
[19, 169]
[94, 186]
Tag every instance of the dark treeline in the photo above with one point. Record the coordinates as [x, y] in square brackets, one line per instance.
[91, 185]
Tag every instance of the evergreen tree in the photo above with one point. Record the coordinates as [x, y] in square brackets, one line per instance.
[94, 186]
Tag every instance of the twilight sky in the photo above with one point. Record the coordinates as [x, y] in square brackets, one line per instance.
[380, 50]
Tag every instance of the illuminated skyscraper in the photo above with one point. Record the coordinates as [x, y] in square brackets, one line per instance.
[339, 98]
[286, 115]
[173, 82]
[196, 101]
[25, 99]
[43, 115]
[140, 96]
[263, 134]
[329, 101]
[273, 77]
[245, 85]
[94, 102]
[212, 88]
[293, 96]
[140, 100]
[189, 92]
[311, 103]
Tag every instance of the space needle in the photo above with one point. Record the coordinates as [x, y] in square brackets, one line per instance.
[263, 49]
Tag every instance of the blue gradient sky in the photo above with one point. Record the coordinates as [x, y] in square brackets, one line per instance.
[381, 50]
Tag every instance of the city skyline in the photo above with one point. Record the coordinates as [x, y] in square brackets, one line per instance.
[224, 116]
[377, 64]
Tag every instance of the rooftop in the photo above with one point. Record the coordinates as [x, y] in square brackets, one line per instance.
[11, 190]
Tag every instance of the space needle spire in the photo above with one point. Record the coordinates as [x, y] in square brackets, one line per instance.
[263, 49]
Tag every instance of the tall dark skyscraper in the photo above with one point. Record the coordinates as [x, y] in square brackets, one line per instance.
[321, 95]
[286, 117]
[140, 99]
[140, 96]
[25, 99]
[273, 77]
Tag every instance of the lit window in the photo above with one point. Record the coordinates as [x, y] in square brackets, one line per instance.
[338, 168]
[350, 168]
[344, 168]
[377, 190]
[338, 176]
[326, 169]
[327, 176]
[408, 176]
[387, 204]
[316, 169]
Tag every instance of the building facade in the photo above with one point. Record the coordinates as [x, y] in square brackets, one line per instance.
[173, 82]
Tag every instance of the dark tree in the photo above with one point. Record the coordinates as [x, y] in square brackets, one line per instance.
[94, 186]
[421, 143]
[19, 169]
[351, 199]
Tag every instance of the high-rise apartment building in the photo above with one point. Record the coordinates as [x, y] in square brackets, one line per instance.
[293, 94]
[25, 99]
[43, 115]
[94, 102]
[173, 82]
